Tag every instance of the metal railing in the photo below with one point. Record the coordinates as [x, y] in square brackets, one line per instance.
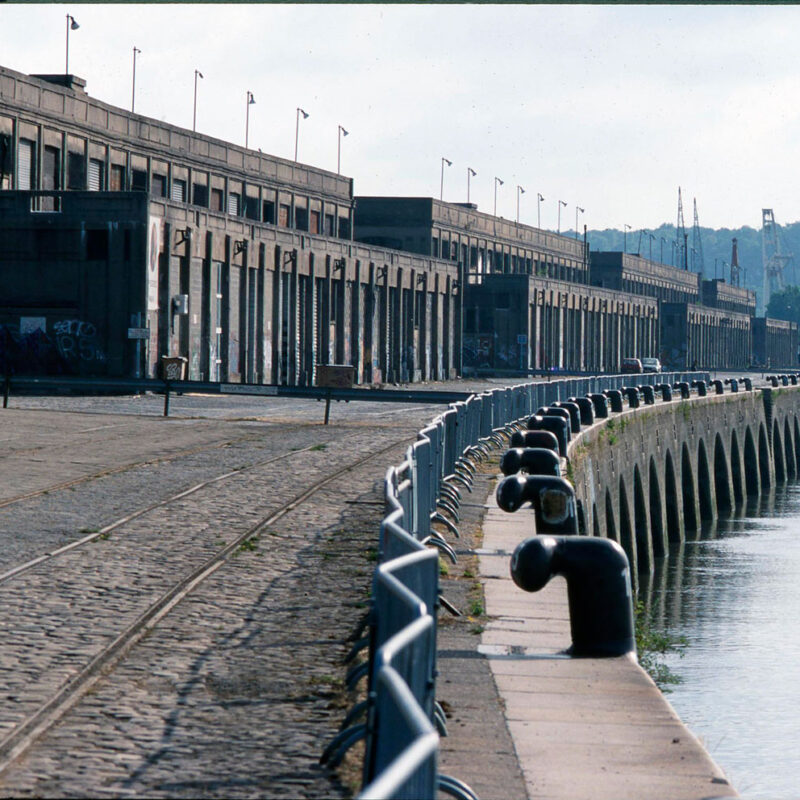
[402, 720]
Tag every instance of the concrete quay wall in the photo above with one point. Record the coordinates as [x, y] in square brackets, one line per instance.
[647, 476]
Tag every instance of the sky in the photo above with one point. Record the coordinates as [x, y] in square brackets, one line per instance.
[608, 108]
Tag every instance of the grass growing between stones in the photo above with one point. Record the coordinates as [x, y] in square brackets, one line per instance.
[652, 644]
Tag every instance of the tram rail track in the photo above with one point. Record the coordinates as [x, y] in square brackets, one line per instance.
[174, 456]
[14, 742]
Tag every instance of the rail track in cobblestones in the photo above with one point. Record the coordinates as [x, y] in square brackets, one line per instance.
[106, 530]
[56, 487]
[77, 661]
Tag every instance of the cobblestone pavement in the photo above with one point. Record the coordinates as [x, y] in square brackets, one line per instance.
[239, 688]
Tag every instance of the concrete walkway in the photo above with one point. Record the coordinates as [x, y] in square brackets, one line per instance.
[583, 729]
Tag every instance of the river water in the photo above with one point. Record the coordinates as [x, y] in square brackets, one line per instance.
[734, 593]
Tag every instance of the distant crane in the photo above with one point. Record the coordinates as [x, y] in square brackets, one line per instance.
[682, 238]
[697, 244]
[774, 262]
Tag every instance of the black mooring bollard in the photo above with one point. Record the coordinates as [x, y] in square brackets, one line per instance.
[600, 403]
[552, 499]
[531, 438]
[666, 391]
[633, 396]
[533, 460]
[558, 426]
[615, 400]
[648, 394]
[702, 388]
[598, 586]
[587, 409]
[683, 388]
[719, 388]
[748, 384]
[574, 411]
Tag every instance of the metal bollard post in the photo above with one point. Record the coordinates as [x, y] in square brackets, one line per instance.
[574, 411]
[552, 499]
[166, 398]
[648, 394]
[633, 396]
[600, 403]
[598, 586]
[587, 409]
[531, 438]
[6, 390]
[533, 460]
[683, 387]
[615, 399]
[557, 425]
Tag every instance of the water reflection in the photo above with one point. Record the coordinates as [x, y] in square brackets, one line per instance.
[732, 591]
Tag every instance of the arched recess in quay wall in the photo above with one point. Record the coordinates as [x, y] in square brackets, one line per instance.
[788, 449]
[656, 512]
[764, 460]
[797, 442]
[595, 521]
[611, 523]
[644, 547]
[777, 452]
[690, 517]
[626, 539]
[674, 532]
[752, 476]
[737, 479]
[704, 483]
[722, 481]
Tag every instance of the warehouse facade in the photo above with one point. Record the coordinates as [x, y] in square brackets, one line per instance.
[124, 240]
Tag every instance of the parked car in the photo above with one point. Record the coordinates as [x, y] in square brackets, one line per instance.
[651, 365]
[631, 365]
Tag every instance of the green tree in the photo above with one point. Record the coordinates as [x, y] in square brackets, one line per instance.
[785, 305]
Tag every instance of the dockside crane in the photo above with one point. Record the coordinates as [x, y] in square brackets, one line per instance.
[682, 238]
[773, 260]
[697, 244]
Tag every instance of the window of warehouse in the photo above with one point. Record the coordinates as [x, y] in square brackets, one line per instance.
[117, 182]
[96, 175]
[178, 193]
[26, 165]
[234, 203]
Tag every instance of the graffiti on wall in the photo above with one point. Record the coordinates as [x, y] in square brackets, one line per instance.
[27, 349]
[77, 340]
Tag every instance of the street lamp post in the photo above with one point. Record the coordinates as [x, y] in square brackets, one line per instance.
[342, 132]
[652, 238]
[133, 86]
[470, 173]
[625, 229]
[674, 252]
[539, 200]
[520, 191]
[496, 182]
[197, 74]
[250, 101]
[663, 242]
[577, 209]
[560, 203]
[71, 26]
[441, 184]
[716, 271]
[297, 129]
